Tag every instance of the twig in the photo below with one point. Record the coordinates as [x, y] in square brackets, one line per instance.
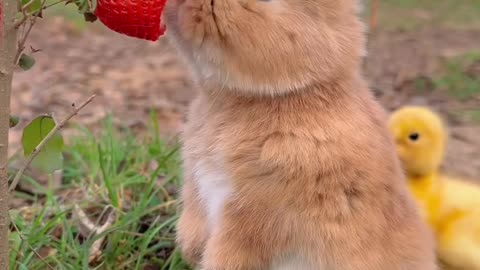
[89, 230]
[30, 246]
[47, 138]
[23, 40]
[95, 251]
[23, 9]
[27, 5]
[21, 43]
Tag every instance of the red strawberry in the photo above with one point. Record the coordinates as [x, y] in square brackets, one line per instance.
[135, 18]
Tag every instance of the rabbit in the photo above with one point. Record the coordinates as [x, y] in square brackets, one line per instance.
[287, 159]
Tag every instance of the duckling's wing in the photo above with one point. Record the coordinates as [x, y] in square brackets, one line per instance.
[459, 240]
[459, 193]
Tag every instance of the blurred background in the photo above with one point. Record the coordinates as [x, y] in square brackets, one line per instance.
[421, 52]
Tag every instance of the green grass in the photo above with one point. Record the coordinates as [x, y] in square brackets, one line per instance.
[456, 81]
[472, 116]
[134, 180]
[475, 116]
[411, 14]
[422, 85]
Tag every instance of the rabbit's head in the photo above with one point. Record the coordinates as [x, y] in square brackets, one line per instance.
[267, 47]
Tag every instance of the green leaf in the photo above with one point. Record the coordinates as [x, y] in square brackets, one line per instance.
[26, 62]
[34, 7]
[48, 161]
[14, 120]
[50, 157]
[14, 246]
[22, 266]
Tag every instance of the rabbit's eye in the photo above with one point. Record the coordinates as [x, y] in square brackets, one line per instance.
[414, 136]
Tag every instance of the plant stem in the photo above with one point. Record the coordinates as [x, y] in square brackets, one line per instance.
[52, 132]
[8, 41]
[23, 39]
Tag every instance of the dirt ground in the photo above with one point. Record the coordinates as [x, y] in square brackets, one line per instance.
[132, 76]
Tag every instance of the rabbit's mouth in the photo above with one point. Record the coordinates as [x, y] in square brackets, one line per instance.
[193, 21]
[263, 47]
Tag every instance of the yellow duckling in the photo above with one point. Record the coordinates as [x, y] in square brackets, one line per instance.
[450, 206]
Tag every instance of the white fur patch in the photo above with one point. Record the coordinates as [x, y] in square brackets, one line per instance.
[214, 189]
[360, 6]
[294, 263]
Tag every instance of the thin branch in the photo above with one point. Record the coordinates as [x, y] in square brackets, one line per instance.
[8, 38]
[47, 138]
[27, 5]
[23, 9]
[22, 237]
[22, 21]
[23, 40]
[21, 43]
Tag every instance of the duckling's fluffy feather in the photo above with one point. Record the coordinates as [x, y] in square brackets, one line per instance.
[450, 205]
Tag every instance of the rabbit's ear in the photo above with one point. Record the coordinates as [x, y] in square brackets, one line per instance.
[267, 47]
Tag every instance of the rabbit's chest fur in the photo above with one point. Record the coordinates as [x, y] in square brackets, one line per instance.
[214, 188]
[288, 176]
[295, 262]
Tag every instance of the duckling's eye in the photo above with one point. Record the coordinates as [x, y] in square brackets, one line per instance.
[414, 136]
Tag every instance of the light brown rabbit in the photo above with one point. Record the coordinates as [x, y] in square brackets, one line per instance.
[288, 162]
